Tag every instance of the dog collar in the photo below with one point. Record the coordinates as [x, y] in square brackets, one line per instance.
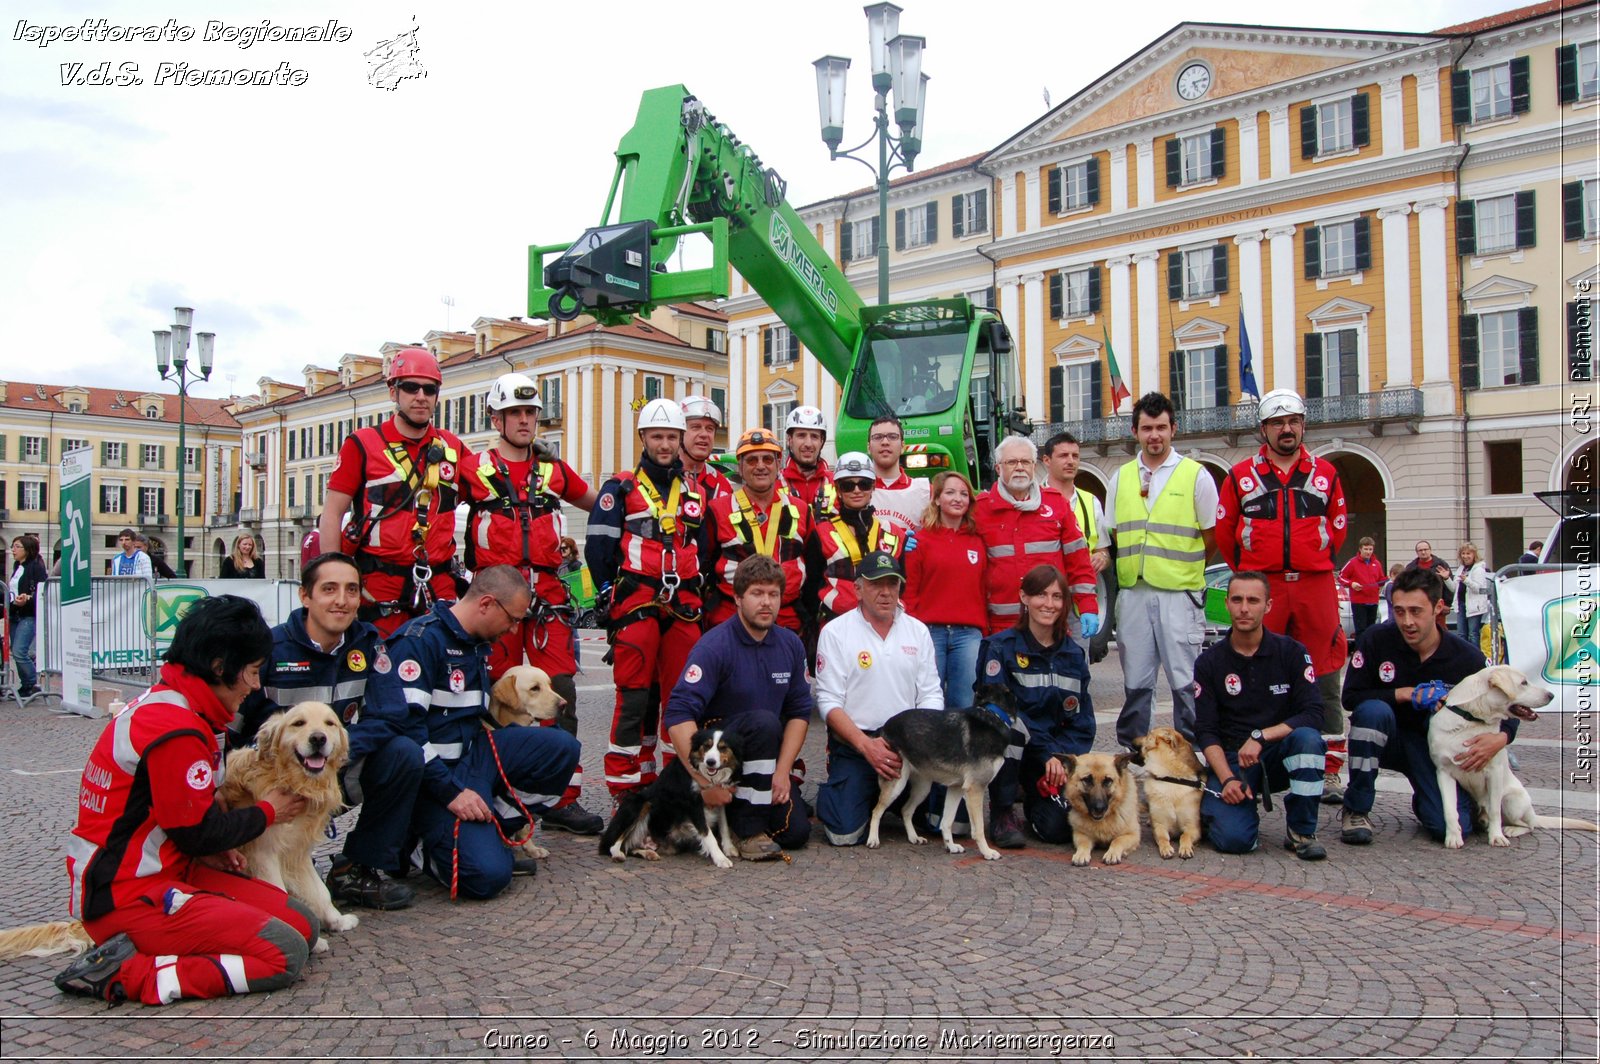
[1458, 711]
[997, 711]
[1197, 784]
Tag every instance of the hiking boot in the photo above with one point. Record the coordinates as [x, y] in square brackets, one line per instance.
[524, 865]
[1332, 789]
[94, 973]
[574, 818]
[368, 888]
[1305, 847]
[759, 848]
[1005, 833]
[1355, 829]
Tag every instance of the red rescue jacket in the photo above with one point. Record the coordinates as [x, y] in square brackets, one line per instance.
[1276, 526]
[389, 474]
[516, 517]
[1018, 540]
[741, 526]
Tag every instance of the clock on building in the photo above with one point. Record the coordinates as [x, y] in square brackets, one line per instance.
[1193, 81]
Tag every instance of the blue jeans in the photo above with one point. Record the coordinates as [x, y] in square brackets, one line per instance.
[1470, 628]
[1378, 741]
[22, 630]
[955, 653]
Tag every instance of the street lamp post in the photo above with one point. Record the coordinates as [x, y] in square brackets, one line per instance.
[172, 345]
[896, 65]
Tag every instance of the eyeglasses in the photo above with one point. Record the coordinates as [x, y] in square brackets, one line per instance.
[884, 437]
[430, 390]
[513, 618]
[1016, 463]
[854, 485]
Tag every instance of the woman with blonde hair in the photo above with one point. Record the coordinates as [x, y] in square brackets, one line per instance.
[1471, 593]
[945, 585]
[244, 563]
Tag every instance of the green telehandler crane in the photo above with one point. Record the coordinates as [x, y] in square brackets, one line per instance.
[946, 368]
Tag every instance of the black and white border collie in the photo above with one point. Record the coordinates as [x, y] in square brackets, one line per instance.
[670, 813]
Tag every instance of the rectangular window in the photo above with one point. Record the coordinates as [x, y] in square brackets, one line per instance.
[30, 495]
[193, 503]
[1491, 92]
[969, 213]
[720, 397]
[861, 239]
[916, 227]
[773, 416]
[1338, 249]
[1335, 130]
[1341, 364]
[550, 395]
[1497, 224]
[150, 501]
[1588, 70]
[1076, 293]
[1075, 186]
[1578, 213]
[191, 458]
[717, 340]
[652, 388]
[115, 455]
[780, 346]
[1499, 349]
[1196, 154]
[1075, 399]
[290, 500]
[68, 446]
[150, 456]
[33, 448]
[1199, 281]
[113, 499]
[1504, 461]
[1199, 378]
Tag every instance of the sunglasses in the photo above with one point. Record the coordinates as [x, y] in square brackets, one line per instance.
[855, 485]
[413, 387]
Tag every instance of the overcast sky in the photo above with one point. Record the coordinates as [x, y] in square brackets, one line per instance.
[306, 222]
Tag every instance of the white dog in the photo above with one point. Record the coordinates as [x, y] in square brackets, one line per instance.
[1476, 706]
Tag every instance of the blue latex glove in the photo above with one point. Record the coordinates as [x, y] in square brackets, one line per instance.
[1091, 625]
[911, 541]
[1429, 695]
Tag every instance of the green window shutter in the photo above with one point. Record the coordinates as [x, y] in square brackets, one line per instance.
[1057, 301]
[1091, 182]
[794, 346]
[1175, 378]
[1567, 73]
[1313, 365]
[1313, 252]
[1470, 374]
[1219, 355]
[1521, 86]
[1053, 183]
[161, 500]
[1219, 147]
[1461, 97]
[900, 229]
[766, 346]
[1361, 120]
[1308, 132]
[933, 221]
[1527, 230]
[845, 251]
[1095, 405]
[44, 449]
[102, 452]
[1571, 216]
[1363, 243]
[1528, 345]
[1058, 404]
[980, 222]
[1219, 269]
[958, 217]
[1466, 227]
[1094, 290]
[1175, 275]
[1174, 163]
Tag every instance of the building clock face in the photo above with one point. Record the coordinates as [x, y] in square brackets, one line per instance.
[1193, 81]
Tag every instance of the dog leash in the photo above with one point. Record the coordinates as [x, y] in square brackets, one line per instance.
[455, 832]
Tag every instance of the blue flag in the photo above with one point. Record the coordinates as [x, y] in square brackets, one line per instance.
[1247, 373]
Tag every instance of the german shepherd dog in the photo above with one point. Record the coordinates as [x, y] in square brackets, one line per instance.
[962, 749]
[1102, 806]
[670, 811]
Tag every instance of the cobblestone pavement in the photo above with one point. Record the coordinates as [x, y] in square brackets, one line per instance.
[1400, 949]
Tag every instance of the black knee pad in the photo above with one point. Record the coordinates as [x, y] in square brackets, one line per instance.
[567, 715]
[295, 950]
[635, 708]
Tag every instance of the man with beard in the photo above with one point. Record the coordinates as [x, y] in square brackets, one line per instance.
[762, 518]
[1282, 513]
[645, 537]
[403, 475]
[806, 474]
[1024, 525]
[701, 420]
[748, 676]
[840, 540]
[1162, 508]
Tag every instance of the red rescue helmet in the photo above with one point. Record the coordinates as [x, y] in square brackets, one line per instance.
[414, 362]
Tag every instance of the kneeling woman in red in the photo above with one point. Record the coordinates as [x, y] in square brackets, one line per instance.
[156, 878]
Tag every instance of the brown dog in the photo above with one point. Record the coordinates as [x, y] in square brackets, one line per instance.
[299, 750]
[1102, 805]
[1174, 807]
[524, 696]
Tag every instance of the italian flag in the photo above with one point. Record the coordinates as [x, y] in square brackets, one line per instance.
[1119, 390]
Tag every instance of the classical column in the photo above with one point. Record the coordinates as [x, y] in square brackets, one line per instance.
[1033, 389]
[1121, 317]
[1031, 210]
[1396, 294]
[1008, 205]
[586, 397]
[1278, 141]
[752, 379]
[1009, 305]
[1117, 175]
[1249, 245]
[1392, 110]
[571, 418]
[1433, 282]
[1145, 173]
[1428, 119]
[617, 419]
[827, 243]
[734, 415]
[1285, 324]
[809, 368]
[1249, 149]
[680, 387]
[1146, 369]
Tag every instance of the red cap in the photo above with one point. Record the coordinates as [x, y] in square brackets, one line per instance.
[414, 362]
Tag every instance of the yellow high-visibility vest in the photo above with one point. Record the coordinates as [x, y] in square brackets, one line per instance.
[1163, 547]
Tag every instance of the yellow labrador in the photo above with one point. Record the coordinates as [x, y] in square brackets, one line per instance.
[524, 696]
[1476, 706]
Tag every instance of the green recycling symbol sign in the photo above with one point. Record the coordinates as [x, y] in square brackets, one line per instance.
[1571, 655]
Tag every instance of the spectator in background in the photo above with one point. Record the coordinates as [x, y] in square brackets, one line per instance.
[1425, 559]
[27, 573]
[244, 563]
[1471, 593]
[158, 557]
[55, 561]
[570, 562]
[1388, 590]
[1362, 576]
[944, 586]
[132, 561]
[1531, 555]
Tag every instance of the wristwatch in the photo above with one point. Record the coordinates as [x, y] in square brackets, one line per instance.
[1258, 737]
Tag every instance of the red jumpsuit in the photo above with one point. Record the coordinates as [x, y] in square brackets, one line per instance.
[516, 520]
[146, 811]
[806, 486]
[389, 475]
[741, 528]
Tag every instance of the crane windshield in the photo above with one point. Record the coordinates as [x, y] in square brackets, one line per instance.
[909, 368]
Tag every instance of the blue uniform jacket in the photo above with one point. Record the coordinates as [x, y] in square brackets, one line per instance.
[730, 673]
[1234, 695]
[300, 671]
[1383, 661]
[1051, 690]
[435, 691]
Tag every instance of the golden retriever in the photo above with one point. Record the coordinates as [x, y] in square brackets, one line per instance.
[1174, 806]
[299, 750]
[1476, 706]
[1102, 806]
[524, 696]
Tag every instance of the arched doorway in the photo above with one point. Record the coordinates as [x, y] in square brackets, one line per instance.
[1364, 501]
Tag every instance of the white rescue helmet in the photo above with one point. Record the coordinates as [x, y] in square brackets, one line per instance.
[852, 466]
[1280, 402]
[512, 390]
[806, 417]
[661, 414]
[700, 406]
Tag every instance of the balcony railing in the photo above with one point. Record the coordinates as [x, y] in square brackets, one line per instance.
[149, 520]
[256, 459]
[224, 520]
[302, 512]
[249, 516]
[1372, 409]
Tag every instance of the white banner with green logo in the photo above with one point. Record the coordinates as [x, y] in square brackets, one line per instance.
[1549, 623]
[76, 635]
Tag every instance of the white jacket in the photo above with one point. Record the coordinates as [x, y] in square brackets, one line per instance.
[1477, 579]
